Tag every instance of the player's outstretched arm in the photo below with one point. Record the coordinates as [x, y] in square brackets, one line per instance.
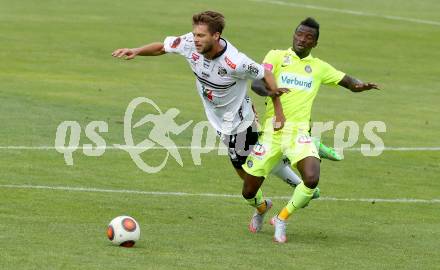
[356, 85]
[152, 49]
[260, 88]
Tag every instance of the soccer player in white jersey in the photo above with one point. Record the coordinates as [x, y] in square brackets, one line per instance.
[221, 73]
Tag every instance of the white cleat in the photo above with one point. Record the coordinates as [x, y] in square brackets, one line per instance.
[280, 230]
[257, 219]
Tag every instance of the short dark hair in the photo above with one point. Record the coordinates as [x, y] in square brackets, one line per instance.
[312, 23]
[214, 20]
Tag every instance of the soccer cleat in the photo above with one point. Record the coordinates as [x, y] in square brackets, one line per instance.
[280, 230]
[327, 152]
[316, 193]
[257, 219]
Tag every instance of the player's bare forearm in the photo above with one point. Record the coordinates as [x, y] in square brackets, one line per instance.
[269, 81]
[356, 85]
[279, 114]
[259, 88]
[267, 86]
[152, 49]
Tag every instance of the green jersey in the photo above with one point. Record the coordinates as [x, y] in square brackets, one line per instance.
[303, 77]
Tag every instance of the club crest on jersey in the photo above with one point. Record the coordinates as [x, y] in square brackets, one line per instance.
[221, 71]
[176, 43]
[308, 69]
[230, 63]
[250, 164]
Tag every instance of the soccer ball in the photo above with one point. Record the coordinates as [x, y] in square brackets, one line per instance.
[123, 231]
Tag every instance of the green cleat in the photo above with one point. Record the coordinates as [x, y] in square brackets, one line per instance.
[316, 194]
[327, 152]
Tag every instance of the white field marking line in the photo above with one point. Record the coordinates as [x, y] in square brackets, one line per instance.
[213, 195]
[351, 12]
[391, 148]
[110, 147]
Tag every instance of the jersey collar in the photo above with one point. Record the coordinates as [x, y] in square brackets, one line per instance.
[225, 46]
[307, 58]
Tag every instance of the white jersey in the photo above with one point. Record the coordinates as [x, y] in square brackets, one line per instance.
[221, 82]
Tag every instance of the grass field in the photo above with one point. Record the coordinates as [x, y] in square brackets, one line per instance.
[56, 66]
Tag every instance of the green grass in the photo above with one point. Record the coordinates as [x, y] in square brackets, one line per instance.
[67, 229]
[56, 66]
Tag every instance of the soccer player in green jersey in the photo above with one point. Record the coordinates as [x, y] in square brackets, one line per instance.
[300, 72]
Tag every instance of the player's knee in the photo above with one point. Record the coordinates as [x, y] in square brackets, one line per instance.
[251, 184]
[248, 193]
[311, 178]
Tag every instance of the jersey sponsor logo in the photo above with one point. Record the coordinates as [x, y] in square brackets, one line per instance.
[208, 94]
[240, 113]
[187, 47]
[205, 75]
[268, 66]
[232, 154]
[304, 139]
[176, 43]
[252, 70]
[259, 150]
[308, 69]
[206, 63]
[291, 80]
[230, 63]
[195, 57]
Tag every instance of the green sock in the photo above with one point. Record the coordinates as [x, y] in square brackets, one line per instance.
[300, 198]
[257, 200]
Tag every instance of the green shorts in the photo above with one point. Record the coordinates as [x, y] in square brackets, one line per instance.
[272, 146]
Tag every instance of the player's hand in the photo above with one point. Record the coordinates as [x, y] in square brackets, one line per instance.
[366, 86]
[278, 121]
[128, 54]
[278, 92]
